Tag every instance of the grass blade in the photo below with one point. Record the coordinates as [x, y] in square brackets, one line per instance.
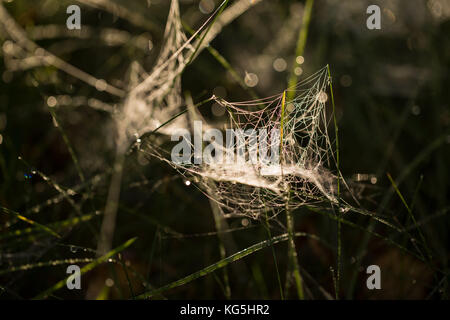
[86, 268]
[222, 263]
[31, 222]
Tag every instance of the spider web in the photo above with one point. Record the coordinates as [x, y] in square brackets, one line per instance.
[294, 132]
[158, 97]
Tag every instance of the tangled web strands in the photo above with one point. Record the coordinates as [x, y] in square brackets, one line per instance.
[296, 129]
[158, 97]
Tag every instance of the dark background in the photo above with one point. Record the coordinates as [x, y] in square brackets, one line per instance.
[391, 88]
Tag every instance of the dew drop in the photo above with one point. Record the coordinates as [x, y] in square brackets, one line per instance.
[109, 282]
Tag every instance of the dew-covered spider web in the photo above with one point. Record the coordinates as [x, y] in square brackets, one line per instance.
[293, 132]
[157, 97]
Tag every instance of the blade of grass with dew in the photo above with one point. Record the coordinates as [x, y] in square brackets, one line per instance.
[53, 226]
[66, 194]
[29, 221]
[86, 268]
[43, 264]
[224, 262]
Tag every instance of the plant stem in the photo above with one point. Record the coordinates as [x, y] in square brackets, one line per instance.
[339, 236]
[293, 252]
[274, 256]
[112, 204]
[301, 43]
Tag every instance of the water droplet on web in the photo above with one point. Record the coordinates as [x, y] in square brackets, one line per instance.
[73, 249]
[109, 282]
[322, 97]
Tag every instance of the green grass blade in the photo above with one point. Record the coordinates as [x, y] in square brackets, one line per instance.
[42, 264]
[68, 144]
[52, 226]
[339, 227]
[200, 41]
[301, 43]
[222, 263]
[86, 268]
[29, 221]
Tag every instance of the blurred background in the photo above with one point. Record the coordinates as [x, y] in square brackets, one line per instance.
[391, 88]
